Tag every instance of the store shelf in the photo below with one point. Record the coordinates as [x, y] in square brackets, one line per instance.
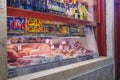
[43, 34]
[46, 16]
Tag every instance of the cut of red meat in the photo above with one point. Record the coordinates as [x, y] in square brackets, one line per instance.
[12, 55]
[23, 53]
[35, 52]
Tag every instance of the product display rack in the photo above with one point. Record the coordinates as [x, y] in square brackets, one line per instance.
[42, 34]
[46, 16]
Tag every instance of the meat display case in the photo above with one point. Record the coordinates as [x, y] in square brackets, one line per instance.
[43, 58]
[36, 52]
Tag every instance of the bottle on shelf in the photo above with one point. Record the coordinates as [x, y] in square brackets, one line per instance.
[11, 3]
[19, 4]
[83, 11]
[62, 10]
[8, 2]
[42, 5]
[28, 4]
[39, 5]
[49, 6]
[71, 8]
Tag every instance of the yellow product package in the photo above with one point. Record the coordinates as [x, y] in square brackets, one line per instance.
[83, 12]
[33, 25]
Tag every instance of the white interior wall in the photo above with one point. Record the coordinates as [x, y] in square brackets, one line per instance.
[110, 27]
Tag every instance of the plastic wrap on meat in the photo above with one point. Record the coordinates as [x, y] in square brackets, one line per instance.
[44, 48]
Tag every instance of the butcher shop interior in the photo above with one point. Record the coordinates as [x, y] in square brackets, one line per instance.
[57, 45]
[44, 38]
[36, 44]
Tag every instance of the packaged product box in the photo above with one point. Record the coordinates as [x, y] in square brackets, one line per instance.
[33, 25]
[73, 30]
[55, 6]
[16, 24]
[64, 29]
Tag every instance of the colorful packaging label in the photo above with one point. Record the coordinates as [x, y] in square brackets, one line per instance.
[33, 25]
[16, 24]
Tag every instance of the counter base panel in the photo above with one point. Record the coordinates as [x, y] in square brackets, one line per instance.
[95, 69]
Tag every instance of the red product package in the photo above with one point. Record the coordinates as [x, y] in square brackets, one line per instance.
[16, 24]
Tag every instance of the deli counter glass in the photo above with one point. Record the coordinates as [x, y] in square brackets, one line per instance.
[31, 54]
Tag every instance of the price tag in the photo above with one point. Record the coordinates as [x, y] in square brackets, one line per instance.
[19, 47]
[1, 3]
[8, 41]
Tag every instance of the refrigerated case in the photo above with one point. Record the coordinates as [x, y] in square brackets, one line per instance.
[47, 46]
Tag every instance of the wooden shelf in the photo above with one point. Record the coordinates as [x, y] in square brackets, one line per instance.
[17, 12]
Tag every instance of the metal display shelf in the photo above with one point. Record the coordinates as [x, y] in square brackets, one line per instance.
[17, 12]
[44, 34]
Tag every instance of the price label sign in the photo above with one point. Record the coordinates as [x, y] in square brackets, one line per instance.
[1, 3]
[19, 47]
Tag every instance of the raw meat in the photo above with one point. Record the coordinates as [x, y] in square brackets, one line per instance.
[28, 50]
[12, 55]
[23, 53]
[13, 47]
[44, 48]
[35, 52]
[35, 45]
